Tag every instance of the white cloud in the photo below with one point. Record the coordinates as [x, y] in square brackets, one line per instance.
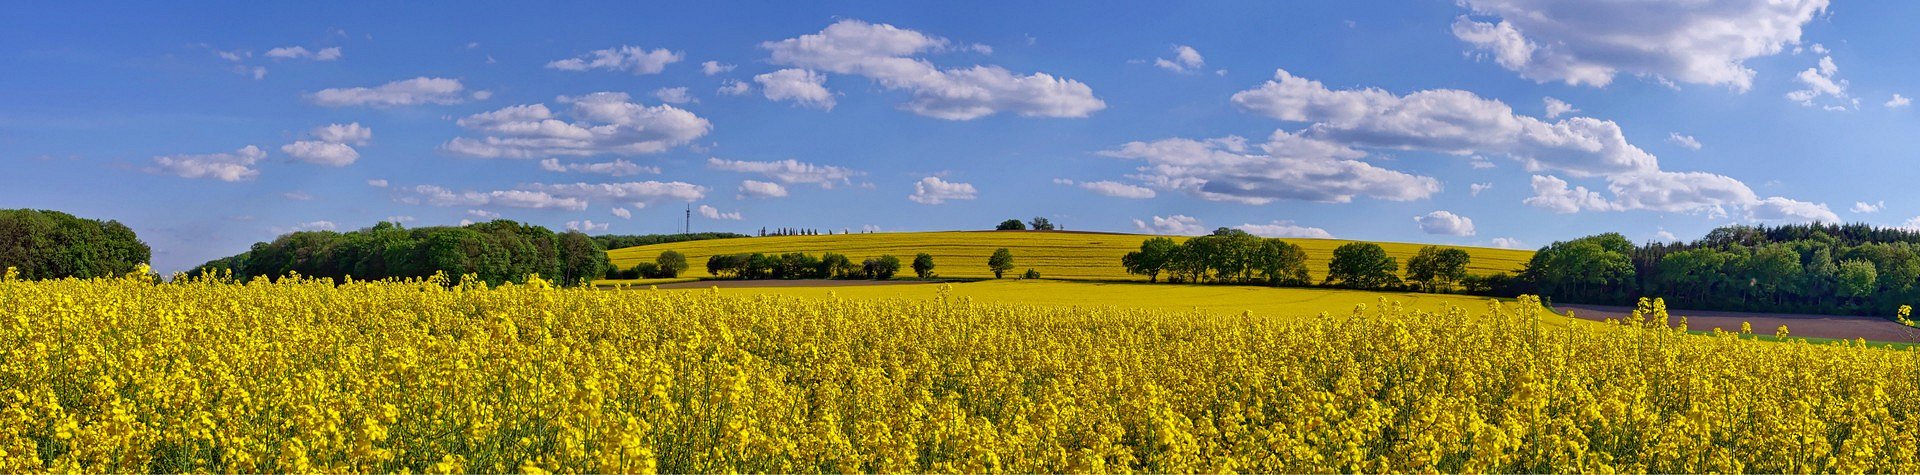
[1294, 168]
[622, 213]
[614, 168]
[714, 213]
[933, 191]
[1507, 243]
[482, 95]
[803, 87]
[301, 52]
[604, 123]
[440, 196]
[377, 183]
[1588, 43]
[734, 88]
[230, 167]
[1447, 121]
[416, 91]
[1782, 209]
[307, 226]
[1282, 229]
[790, 171]
[886, 55]
[761, 189]
[1820, 83]
[483, 214]
[1863, 207]
[1898, 101]
[714, 67]
[586, 226]
[1118, 190]
[672, 95]
[1685, 141]
[1185, 60]
[638, 194]
[1179, 224]
[297, 196]
[321, 153]
[1445, 222]
[351, 134]
[1557, 108]
[1665, 236]
[1476, 188]
[634, 59]
[1552, 193]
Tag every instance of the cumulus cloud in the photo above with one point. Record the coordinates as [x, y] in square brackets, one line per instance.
[1557, 108]
[321, 153]
[790, 171]
[1111, 188]
[1822, 86]
[530, 199]
[637, 194]
[1665, 236]
[586, 226]
[1446, 223]
[1282, 229]
[1507, 243]
[1292, 168]
[1476, 188]
[1553, 194]
[888, 56]
[1863, 207]
[307, 226]
[483, 214]
[416, 91]
[602, 123]
[633, 59]
[714, 67]
[1185, 60]
[734, 88]
[933, 191]
[714, 213]
[1179, 224]
[351, 134]
[229, 167]
[1588, 43]
[622, 213]
[1782, 209]
[803, 87]
[761, 189]
[377, 183]
[614, 168]
[1684, 141]
[1898, 101]
[301, 52]
[673, 95]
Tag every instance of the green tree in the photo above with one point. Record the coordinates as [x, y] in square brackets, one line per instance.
[42, 244]
[1152, 257]
[670, 263]
[581, 258]
[1437, 269]
[923, 265]
[1857, 279]
[837, 266]
[1011, 225]
[1041, 224]
[882, 268]
[1362, 265]
[1281, 263]
[1000, 262]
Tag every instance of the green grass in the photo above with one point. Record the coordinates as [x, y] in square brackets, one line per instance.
[1056, 255]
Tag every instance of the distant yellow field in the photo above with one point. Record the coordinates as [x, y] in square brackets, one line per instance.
[1061, 255]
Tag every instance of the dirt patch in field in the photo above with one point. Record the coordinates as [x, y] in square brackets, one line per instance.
[748, 284]
[1801, 325]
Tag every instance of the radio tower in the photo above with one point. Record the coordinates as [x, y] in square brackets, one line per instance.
[689, 226]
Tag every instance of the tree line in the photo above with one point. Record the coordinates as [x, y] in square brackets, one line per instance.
[495, 252]
[1232, 256]
[1812, 268]
[42, 244]
[617, 241]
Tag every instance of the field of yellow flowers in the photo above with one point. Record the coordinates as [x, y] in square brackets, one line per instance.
[129, 375]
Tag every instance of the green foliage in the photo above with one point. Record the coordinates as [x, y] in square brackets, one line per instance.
[1436, 269]
[43, 244]
[1011, 225]
[923, 265]
[1000, 262]
[1153, 256]
[495, 252]
[881, 268]
[671, 263]
[1041, 224]
[1362, 265]
[1226, 256]
[1031, 274]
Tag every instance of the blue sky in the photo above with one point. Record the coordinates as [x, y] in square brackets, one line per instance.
[207, 127]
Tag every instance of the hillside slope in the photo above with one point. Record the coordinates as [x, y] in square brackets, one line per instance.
[1055, 254]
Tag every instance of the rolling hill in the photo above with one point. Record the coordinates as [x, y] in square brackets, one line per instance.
[1055, 254]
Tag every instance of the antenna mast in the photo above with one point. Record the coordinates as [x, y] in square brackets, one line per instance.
[689, 226]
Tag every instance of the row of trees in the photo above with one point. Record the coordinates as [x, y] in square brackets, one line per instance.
[1820, 268]
[617, 241]
[795, 265]
[1236, 257]
[42, 244]
[496, 252]
[1038, 224]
